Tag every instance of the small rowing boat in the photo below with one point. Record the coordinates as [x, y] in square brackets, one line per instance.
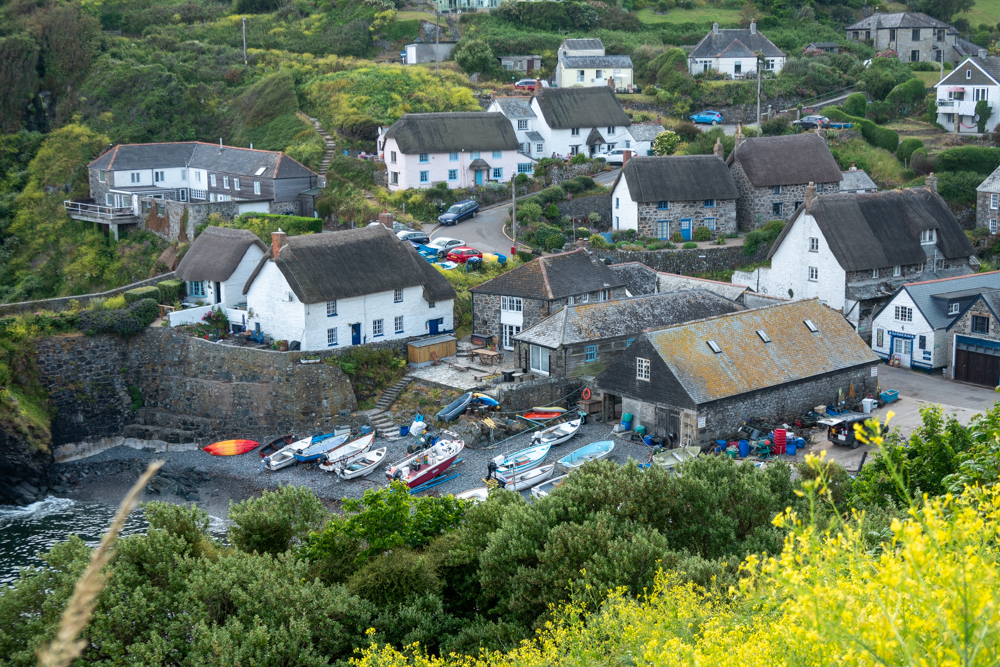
[319, 446]
[475, 495]
[346, 451]
[285, 456]
[525, 459]
[360, 464]
[528, 478]
[671, 458]
[548, 487]
[558, 434]
[275, 445]
[591, 452]
[453, 410]
[231, 447]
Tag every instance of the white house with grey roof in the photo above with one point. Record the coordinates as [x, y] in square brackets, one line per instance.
[320, 290]
[914, 36]
[913, 325]
[584, 63]
[643, 135]
[461, 149]
[857, 181]
[523, 119]
[218, 264]
[663, 195]
[960, 91]
[579, 120]
[733, 52]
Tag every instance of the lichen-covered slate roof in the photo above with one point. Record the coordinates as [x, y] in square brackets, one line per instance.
[554, 277]
[602, 320]
[587, 62]
[645, 131]
[639, 278]
[216, 253]
[746, 362]
[516, 107]
[669, 282]
[200, 155]
[857, 180]
[788, 160]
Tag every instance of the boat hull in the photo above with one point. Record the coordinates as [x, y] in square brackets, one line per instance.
[346, 451]
[426, 465]
[231, 447]
[285, 456]
[557, 435]
[475, 495]
[276, 445]
[591, 452]
[530, 478]
[315, 451]
[455, 408]
[362, 464]
[548, 487]
[523, 460]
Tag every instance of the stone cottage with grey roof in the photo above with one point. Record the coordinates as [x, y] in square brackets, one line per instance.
[664, 195]
[734, 52]
[974, 341]
[522, 297]
[461, 149]
[771, 175]
[582, 339]
[988, 202]
[914, 36]
[698, 381]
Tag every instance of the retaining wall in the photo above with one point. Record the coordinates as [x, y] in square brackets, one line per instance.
[61, 303]
[581, 207]
[545, 392]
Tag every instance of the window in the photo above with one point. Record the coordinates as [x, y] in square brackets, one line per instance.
[453, 157]
[776, 208]
[914, 56]
[813, 244]
[331, 337]
[813, 273]
[916, 34]
[856, 34]
[737, 67]
[196, 288]
[709, 203]
[425, 177]
[256, 187]
[135, 177]
[763, 335]
[809, 325]
[399, 324]
[710, 223]
[713, 346]
[598, 74]
[161, 209]
[874, 273]
[922, 342]
[769, 64]
[510, 303]
[880, 338]
[497, 173]
[590, 353]
[903, 314]
[377, 328]
[159, 176]
[525, 168]
[570, 300]
[980, 324]
[994, 201]
[618, 222]
[539, 359]
[211, 180]
[575, 132]
[604, 295]
[585, 298]
[892, 35]
[236, 184]
[629, 342]
[611, 129]
[102, 176]
[953, 308]
[425, 157]
[920, 268]
[663, 229]
[819, 187]
[397, 296]
[431, 304]
[795, 205]
[663, 205]
[539, 147]
[617, 202]
[776, 190]
[628, 144]
[573, 150]
[979, 94]
[928, 236]
[394, 177]
[331, 308]
[497, 155]
[260, 171]
[474, 155]
[392, 157]
[580, 76]
[197, 177]
[642, 369]
[993, 226]
[453, 174]
[968, 74]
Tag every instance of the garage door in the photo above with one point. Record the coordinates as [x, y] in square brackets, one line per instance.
[977, 368]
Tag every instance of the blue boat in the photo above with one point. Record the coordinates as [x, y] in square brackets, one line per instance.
[526, 459]
[457, 407]
[591, 452]
[320, 445]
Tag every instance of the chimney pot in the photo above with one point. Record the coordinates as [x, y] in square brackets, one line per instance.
[810, 195]
[278, 240]
[753, 27]
[538, 88]
[626, 156]
[739, 136]
[659, 120]
[931, 182]
[715, 28]
[718, 149]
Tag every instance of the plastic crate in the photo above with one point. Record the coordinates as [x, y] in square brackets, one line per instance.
[890, 395]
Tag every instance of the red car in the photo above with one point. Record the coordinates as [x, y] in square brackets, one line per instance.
[528, 84]
[463, 254]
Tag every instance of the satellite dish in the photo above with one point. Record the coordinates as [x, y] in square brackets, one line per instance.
[977, 118]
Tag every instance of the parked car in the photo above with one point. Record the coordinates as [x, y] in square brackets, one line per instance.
[459, 211]
[615, 156]
[811, 122]
[443, 245]
[416, 238]
[840, 428]
[712, 117]
[400, 227]
[529, 84]
[463, 254]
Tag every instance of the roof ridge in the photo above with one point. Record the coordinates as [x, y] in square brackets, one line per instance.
[545, 277]
[941, 280]
[704, 280]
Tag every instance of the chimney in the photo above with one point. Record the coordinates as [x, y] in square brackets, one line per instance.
[810, 195]
[931, 182]
[854, 167]
[739, 136]
[715, 28]
[753, 27]
[385, 218]
[718, 149]
[537, 92]
[659, 120]
[278, 241]
[626, 156]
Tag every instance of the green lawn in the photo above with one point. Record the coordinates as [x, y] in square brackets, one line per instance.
[984, 11]
[416, 16]
[930, 78]
[700, 15]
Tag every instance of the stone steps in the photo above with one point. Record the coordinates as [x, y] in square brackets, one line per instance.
[390, 395]
[385, 426]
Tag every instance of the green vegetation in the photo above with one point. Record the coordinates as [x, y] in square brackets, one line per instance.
[885, 169]
[706, 14]
[262, 224]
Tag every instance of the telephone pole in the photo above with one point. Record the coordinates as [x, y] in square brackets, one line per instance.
[759, 63]
[513, 217]
[437, 40]
[244, 43]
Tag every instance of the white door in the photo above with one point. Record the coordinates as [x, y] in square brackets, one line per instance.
[904, 348]
[509, 331]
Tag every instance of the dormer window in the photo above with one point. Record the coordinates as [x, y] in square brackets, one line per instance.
[928, 236]
[953, 308]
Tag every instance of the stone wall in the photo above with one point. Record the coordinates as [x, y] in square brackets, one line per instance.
[556, 175]
[177, 220]
[688, 262]
[755, 206]
[581, 207]
[983, 211]
[62, 303]
[724, 213]
[544, 392]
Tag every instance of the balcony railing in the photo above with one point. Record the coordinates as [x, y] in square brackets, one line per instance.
[961, 107]
[91, 211]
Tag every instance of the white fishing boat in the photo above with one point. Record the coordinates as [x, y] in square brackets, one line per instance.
[591, 452]
[528, 478]
[525, 459]
[548, 487]
[361, 464]
[671, 458]
[558, 434]
[285, 456]
[424, 466]
[475, 495]
[346, 451]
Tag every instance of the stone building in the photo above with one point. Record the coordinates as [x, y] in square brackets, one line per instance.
[974, 341]
[664, 195]
[771, 174]
[988, 202]
[699, 381]
[520, 298]
[914, 36]
[581, 340]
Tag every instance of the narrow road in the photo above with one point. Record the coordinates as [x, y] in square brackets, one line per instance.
[486, 231]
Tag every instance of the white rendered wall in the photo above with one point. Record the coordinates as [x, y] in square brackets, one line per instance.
[268, 305]
[124, 178]
[887, 321]
[624, 211]
[790, 268]
[232, 289]
[728, 65]
[409, 167]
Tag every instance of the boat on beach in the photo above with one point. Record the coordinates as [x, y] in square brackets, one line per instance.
[671, 458]
[455, 408]
[359, 465]
[475, 495]
[319, 446]
[548, 487]
[276, 445]
[426, 465]
[591, 452]
[528, 478]
[346, 451]
[558, 434]
[525, 459]
[285, 456]
[231, 447]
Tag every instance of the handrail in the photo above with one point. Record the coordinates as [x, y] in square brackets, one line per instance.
[827, 95]
[98, 210]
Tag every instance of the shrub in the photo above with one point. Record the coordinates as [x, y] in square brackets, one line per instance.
[879, 137]
[393, 577]
[905, 97]
[920, 162]
[269, 524]
[524, 257]
[959, 187]
[115, 302]
[554, 241]
[598, 241]
[766, 234]
[677, 237]
[689, 245]
[775, 126]
[666, 143]
[702, 234]
[880, 112]
[585, 182]
[856, 104]
[686, 130]
[140, 293]
[551, 195]
[120, 321]
[579, 158]
[906, 148]
[572, 187]
[980, 159]
[170, 290]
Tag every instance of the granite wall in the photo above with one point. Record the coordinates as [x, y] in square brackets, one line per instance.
[520, 396]
[723, 214]
[755, 206]
[582, 207]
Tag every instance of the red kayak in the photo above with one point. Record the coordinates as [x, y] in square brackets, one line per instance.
[231, 447]
[542, 416]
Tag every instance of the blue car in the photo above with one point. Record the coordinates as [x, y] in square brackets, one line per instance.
[711, 117]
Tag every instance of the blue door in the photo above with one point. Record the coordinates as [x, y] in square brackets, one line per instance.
[432, 325]
[686, 229]
[356, 334]
[479, 176]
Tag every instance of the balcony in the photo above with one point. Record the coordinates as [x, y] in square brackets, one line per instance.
[961, 107]
[102, 214]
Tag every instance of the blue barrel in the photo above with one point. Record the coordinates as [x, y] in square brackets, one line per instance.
[790, 448]
[626, 426]
[648, 440]
[404, 430]
[744, 449]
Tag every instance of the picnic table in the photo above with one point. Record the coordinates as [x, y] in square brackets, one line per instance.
[487, 357]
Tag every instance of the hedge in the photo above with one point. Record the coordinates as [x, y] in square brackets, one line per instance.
[121, 322]
[906, 148]
[140, 293]
[170, 290]
[980, 159]
[905, 97]
[879, 137]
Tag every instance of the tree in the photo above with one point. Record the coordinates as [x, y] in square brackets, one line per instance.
[18, 78]
[941, 9]
[666, 143]
[271, 523]
[475, 55]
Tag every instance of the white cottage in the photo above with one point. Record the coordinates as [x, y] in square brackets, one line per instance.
[578, 120]
[973, 81]
[347, 288]
[734, 52]
[218, 263]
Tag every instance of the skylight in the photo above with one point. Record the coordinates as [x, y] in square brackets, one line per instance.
[715, 346]
[809, 325]
[260, 171]
[763, 335]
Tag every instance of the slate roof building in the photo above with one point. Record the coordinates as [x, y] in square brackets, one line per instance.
[974, 341]
[913, 324]
[218, 263]
[854, 252]
[584, 63]
[458, 148]
[957, 94]
[320, 290]
[771, 174]
[826, 47]
[914, 36]
[643, 135]
[734, 52]
[522, 297]
[523, 119]
[581, 340]
[660, 196]
[857, 181]
[156, 184]
[988, 202]
[701, 380]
